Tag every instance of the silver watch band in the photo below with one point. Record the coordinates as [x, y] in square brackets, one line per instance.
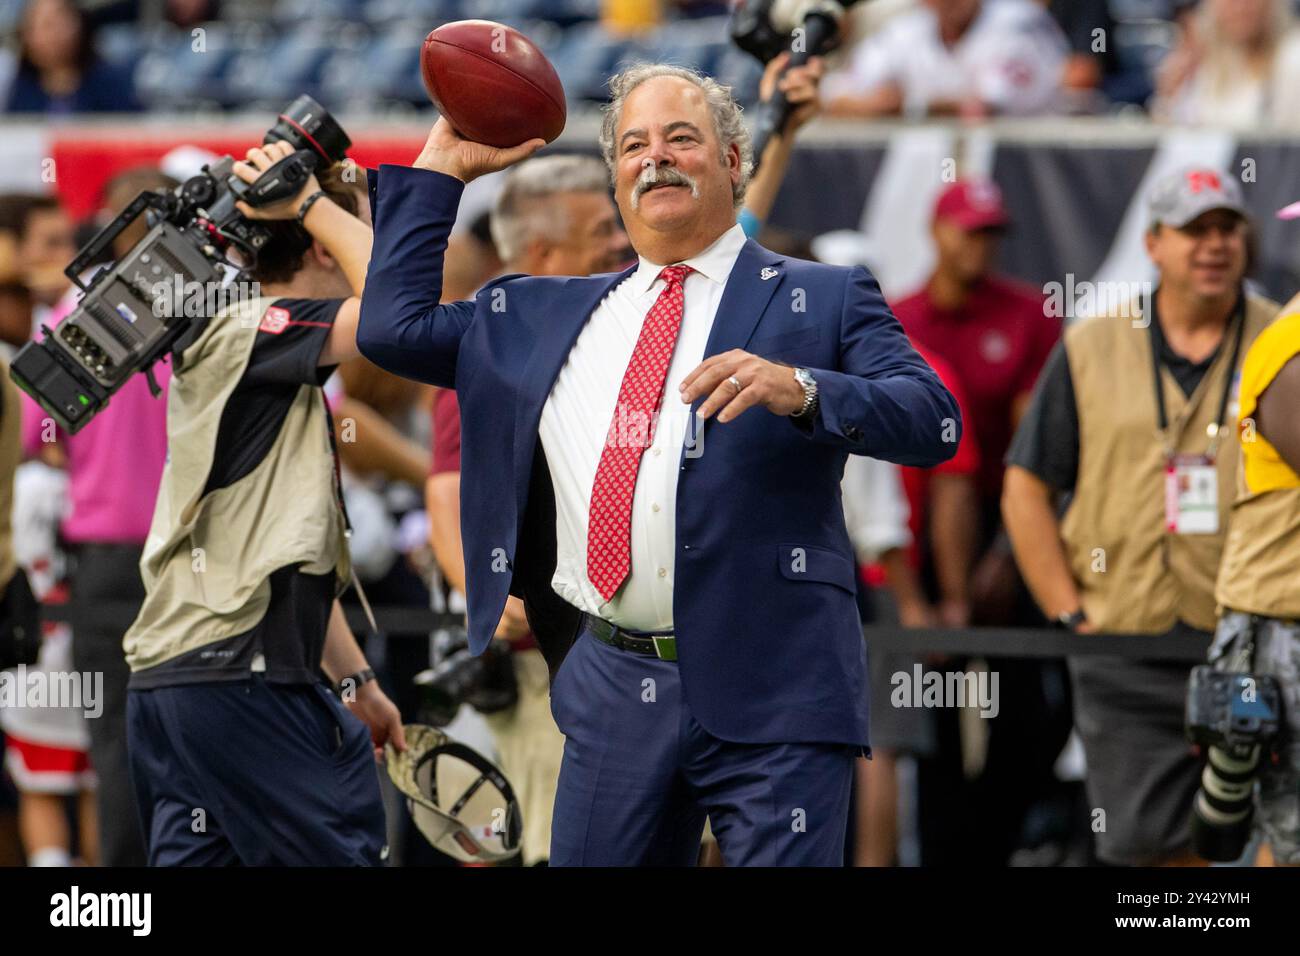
[809, 385]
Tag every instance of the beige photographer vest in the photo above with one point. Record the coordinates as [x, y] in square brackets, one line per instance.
[208, 557]
[1133, 575]
[1259, 574]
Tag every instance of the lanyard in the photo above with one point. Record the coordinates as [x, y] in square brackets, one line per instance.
[1214, 428]
[347, 523]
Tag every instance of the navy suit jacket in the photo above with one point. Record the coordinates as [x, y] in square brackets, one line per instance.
[769, 643]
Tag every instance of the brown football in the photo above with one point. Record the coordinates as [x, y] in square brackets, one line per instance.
[492, 83]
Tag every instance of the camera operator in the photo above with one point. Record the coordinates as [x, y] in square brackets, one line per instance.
[1258, 601]
[239, 752]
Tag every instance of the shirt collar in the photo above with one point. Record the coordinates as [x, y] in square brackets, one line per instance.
[714, 263]
[1174, 360]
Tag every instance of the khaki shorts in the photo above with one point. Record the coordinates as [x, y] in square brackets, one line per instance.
[531, 747]
[1277, 795]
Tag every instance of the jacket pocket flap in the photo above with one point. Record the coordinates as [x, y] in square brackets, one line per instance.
[805, 562]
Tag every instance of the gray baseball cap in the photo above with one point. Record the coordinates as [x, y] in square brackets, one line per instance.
[1181, 196]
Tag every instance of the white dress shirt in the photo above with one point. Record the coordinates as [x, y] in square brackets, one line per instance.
[576, 420]
[875, 507]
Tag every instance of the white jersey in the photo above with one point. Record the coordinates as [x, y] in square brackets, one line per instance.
[1011, 57]
[876, 512]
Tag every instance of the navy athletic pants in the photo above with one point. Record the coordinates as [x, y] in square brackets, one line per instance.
[255, 774]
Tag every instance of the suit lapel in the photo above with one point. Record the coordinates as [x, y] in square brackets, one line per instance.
[558, 333]
[750, 287]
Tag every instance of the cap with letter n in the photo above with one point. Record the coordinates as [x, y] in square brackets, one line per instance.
[459, 800]
[1180, 196]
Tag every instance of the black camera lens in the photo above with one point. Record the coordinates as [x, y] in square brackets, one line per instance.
[199, 190]
[1224, 808]
[308, 125]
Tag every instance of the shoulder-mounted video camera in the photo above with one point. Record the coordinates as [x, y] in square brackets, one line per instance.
[126, 320]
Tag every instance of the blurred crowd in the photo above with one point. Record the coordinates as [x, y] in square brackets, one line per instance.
[938, 547]
[1228, 62]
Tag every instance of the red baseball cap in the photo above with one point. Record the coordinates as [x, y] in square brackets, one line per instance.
[972, 204]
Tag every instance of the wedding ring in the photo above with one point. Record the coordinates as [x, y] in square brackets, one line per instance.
[735, 383]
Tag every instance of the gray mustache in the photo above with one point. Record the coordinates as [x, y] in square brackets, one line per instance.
[661, 176]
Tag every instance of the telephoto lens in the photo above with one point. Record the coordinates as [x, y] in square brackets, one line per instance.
[1234, 716]
[308, 125]
[1222, 813]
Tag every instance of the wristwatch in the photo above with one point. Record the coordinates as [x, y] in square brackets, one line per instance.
[809, 385]
[1071, 619]
[354, 682]
[307, 204]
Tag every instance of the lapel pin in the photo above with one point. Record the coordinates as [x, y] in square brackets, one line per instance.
[767, 273]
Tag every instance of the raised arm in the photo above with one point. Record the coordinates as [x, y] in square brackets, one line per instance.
[344, 236]
[800, 88]
[402, 326]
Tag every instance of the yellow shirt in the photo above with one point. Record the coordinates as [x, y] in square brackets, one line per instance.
[629, 16]
[1262, 467]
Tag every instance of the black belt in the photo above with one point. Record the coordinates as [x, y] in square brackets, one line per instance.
[660, 644]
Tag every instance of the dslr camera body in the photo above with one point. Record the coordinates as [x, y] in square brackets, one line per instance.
[127, 318]
[486, 681]
[1234, 717]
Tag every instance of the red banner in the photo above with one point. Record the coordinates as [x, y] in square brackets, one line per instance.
[84, 162]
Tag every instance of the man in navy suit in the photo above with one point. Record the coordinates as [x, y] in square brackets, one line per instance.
[652, 461]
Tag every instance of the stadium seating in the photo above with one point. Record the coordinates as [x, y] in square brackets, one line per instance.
[363, 53]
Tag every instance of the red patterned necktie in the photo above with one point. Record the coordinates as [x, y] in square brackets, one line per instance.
[609, 530]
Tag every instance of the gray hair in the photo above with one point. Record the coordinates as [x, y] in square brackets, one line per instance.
[519, 215]
[727, 121]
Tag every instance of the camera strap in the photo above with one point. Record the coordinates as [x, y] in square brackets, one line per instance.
[1248, 652]
[347, 522]
[1243, 658]
[365, 603]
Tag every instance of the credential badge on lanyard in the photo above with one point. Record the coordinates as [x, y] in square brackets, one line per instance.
[1191, 494]
[1192, 481]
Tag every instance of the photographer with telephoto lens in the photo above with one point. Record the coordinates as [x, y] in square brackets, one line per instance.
[1244, 707]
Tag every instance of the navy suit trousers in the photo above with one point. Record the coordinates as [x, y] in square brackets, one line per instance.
[640, 774]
